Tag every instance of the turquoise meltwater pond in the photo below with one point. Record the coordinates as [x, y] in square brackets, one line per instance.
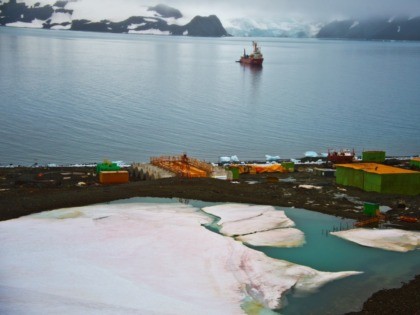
[381, 268]
[322, 251]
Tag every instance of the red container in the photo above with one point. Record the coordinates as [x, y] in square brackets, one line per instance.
[113, 177]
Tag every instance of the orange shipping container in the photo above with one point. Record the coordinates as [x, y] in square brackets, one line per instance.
[113, 177]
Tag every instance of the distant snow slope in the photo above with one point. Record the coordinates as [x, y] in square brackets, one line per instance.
[271, 28]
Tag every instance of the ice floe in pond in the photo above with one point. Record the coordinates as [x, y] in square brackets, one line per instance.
[138, 258]
[235, 211]
[256, 225]
[288, 237]
[266, 221]
[388, 239]
[239, 219]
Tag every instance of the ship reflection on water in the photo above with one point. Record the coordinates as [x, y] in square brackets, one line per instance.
[252, 75]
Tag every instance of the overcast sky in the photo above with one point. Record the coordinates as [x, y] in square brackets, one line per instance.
[323, 10]
[311, 9]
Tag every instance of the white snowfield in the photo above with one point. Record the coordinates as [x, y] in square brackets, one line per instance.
[138, 258]
[389, 239]
[34, 24]
[257, 225]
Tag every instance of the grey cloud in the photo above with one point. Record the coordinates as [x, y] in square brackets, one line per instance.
[314, 9]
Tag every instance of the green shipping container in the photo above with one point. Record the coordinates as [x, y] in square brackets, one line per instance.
[288, 166]
[373, 156]
[404, 182]
[415, 163]
[371, 209]
[349, 177]
[235, 172]
[106, 167]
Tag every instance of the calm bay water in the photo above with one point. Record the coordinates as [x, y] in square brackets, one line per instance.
[70, 97]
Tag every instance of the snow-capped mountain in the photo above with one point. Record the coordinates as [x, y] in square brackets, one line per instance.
[134, 16]
[108, 17]
[394, 28]
[271, 28]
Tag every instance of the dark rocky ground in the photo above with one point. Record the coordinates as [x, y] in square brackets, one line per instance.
[28, 190]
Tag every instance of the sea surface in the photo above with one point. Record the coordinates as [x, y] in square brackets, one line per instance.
[77, 97]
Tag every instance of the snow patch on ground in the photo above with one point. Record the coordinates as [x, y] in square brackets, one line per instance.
[134, 26]
[138, 258]
[60, 17]
[61, 27]
[151, 31]
[34, 24]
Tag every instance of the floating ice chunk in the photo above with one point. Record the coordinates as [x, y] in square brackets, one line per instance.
[266, 221]
[234, 158]
[236, 211]
[242, 219]
[389, 239]
[224, 159]
[311, 154]
[138, 258]
[271, 158]
[288, 237]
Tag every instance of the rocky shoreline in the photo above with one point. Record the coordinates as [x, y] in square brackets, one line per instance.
[26, 190]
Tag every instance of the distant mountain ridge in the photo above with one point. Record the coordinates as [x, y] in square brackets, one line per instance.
[399, 28]
[165, 20]
[57, 16]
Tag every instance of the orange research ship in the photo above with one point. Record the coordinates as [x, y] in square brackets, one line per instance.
[255, 59]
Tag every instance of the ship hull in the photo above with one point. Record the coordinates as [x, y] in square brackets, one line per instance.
[252, 61]
[341, 157]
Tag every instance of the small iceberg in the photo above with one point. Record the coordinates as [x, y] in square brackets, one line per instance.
[388, 239]
[311, 154]
[228, 159]
[257, 225]
[271, 158]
